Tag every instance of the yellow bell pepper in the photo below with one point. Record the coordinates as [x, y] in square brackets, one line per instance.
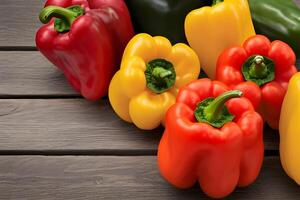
[209, 30]
[151, 73]
[289, 129]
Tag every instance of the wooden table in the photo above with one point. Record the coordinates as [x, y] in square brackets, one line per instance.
[56, 145]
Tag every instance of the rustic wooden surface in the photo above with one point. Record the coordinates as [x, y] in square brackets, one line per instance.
[115, 177]
[56, 145]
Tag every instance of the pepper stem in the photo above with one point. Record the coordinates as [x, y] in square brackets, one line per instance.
[66, 16]
[215, 2]
[161, 73]
[55, 11]
[213, 111]
[258, 68]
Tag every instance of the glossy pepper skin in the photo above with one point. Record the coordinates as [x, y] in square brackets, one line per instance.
[268, 92]
[279, 20]
[162, 17]
[289, 129]
[209, 30]
[89, 50]
[152, 71]
[218, 158]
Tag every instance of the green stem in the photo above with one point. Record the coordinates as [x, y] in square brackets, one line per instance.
[64, 16]
[58, 12]
[258, 68]
[161, 73]
[213, 111]
[215, 2]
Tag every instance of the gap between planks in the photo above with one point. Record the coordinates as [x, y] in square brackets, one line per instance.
[18, 48]
[40, 97]
[104, 152]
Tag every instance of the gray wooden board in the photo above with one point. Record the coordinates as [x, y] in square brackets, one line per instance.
[75, 124]
[19, 22]
[98, 177]
[29, 73]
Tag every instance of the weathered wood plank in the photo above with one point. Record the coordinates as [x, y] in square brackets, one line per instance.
[29, 73]
[118, 178]
[68, 124]
[19, 22]
[75, 124]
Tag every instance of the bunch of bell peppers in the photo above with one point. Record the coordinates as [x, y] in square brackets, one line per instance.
[213, 127]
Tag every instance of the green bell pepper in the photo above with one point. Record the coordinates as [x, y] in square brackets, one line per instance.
[277, 19]
[163, 17]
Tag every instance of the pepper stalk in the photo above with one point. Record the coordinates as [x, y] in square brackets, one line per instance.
[214, 112]
[64, 16]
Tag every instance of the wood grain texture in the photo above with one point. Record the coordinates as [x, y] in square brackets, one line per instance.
[75, 124]
[29, 73]
[118, 178]
[19, 22]
[68, 124]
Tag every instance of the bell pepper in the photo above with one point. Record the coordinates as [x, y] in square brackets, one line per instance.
[261, 70]
[85, 39]
[213, 136]
[209, 30]
[162, 18]
[152, 71]
[289, 129]
[279, 20]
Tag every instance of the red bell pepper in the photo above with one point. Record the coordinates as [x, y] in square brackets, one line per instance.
[261, 70]
[85, 40]
[212, 136]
